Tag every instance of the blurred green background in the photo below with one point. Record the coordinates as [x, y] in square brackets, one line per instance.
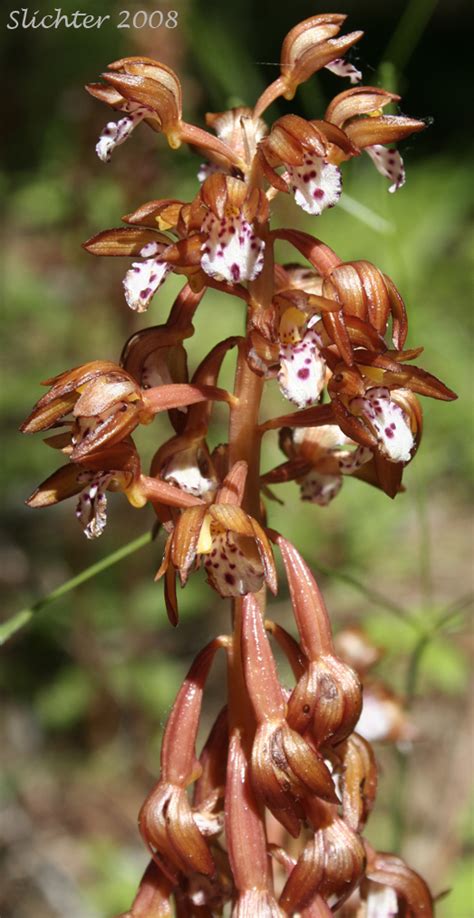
[88, 682]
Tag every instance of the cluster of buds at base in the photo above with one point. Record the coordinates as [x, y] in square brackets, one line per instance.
[269, 817]
[266, 820]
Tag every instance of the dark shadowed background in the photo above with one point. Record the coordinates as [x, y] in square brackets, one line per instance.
[87, 681]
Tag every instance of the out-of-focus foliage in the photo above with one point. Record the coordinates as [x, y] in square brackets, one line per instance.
[87, 685]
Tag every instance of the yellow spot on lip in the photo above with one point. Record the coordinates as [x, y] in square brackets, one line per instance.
[291, 322]
[376, 113]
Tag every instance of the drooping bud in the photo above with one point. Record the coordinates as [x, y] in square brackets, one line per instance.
[284, 767]
[166, 820]
[327, 699]
[354, 761]
[387, 871]
[331, 864]
[311, 45]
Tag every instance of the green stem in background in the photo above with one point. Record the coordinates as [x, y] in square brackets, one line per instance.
[372, 595]
[408, 32]
[402, 759]
[404, 40]
[12, 625]
[414, 663]
[411, 688]
[424, 549]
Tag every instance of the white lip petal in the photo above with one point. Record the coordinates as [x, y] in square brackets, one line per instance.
[189, 474]
[91, 508]
[349, 462]
[318, 488]
[302, 370]
[389, 422]
[343, 68]
[117, 132]
[232, 251]
[389, 163]
[382, 902]
[315, 184]
[229, 570]
[142, 281]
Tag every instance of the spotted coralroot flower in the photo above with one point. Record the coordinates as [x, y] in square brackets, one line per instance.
[98, 403]
[304, 150]
[266, 819]
[389, 888]
[141, 238]
[383, 717]
[385, 418]
[232, 546]
[114, 468]
[318, 458]
[359, 112]
[143, 89]
[302, 370]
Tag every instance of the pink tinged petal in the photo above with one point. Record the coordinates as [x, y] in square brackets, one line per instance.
[382, 902]
[302, 370]
[91, 509]
[389, 163]
[320, 489]
[389, 422]
[352, 461]
[315, 184]
[142, 281]
[232, 251]
[117, 132]
[229, 570]
[343, 68]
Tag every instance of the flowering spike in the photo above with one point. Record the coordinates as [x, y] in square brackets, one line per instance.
[332, 335]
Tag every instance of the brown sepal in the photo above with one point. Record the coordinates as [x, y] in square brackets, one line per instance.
[123, 241]
[389, 870]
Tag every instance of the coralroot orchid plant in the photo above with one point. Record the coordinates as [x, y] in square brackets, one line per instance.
[268, 818]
